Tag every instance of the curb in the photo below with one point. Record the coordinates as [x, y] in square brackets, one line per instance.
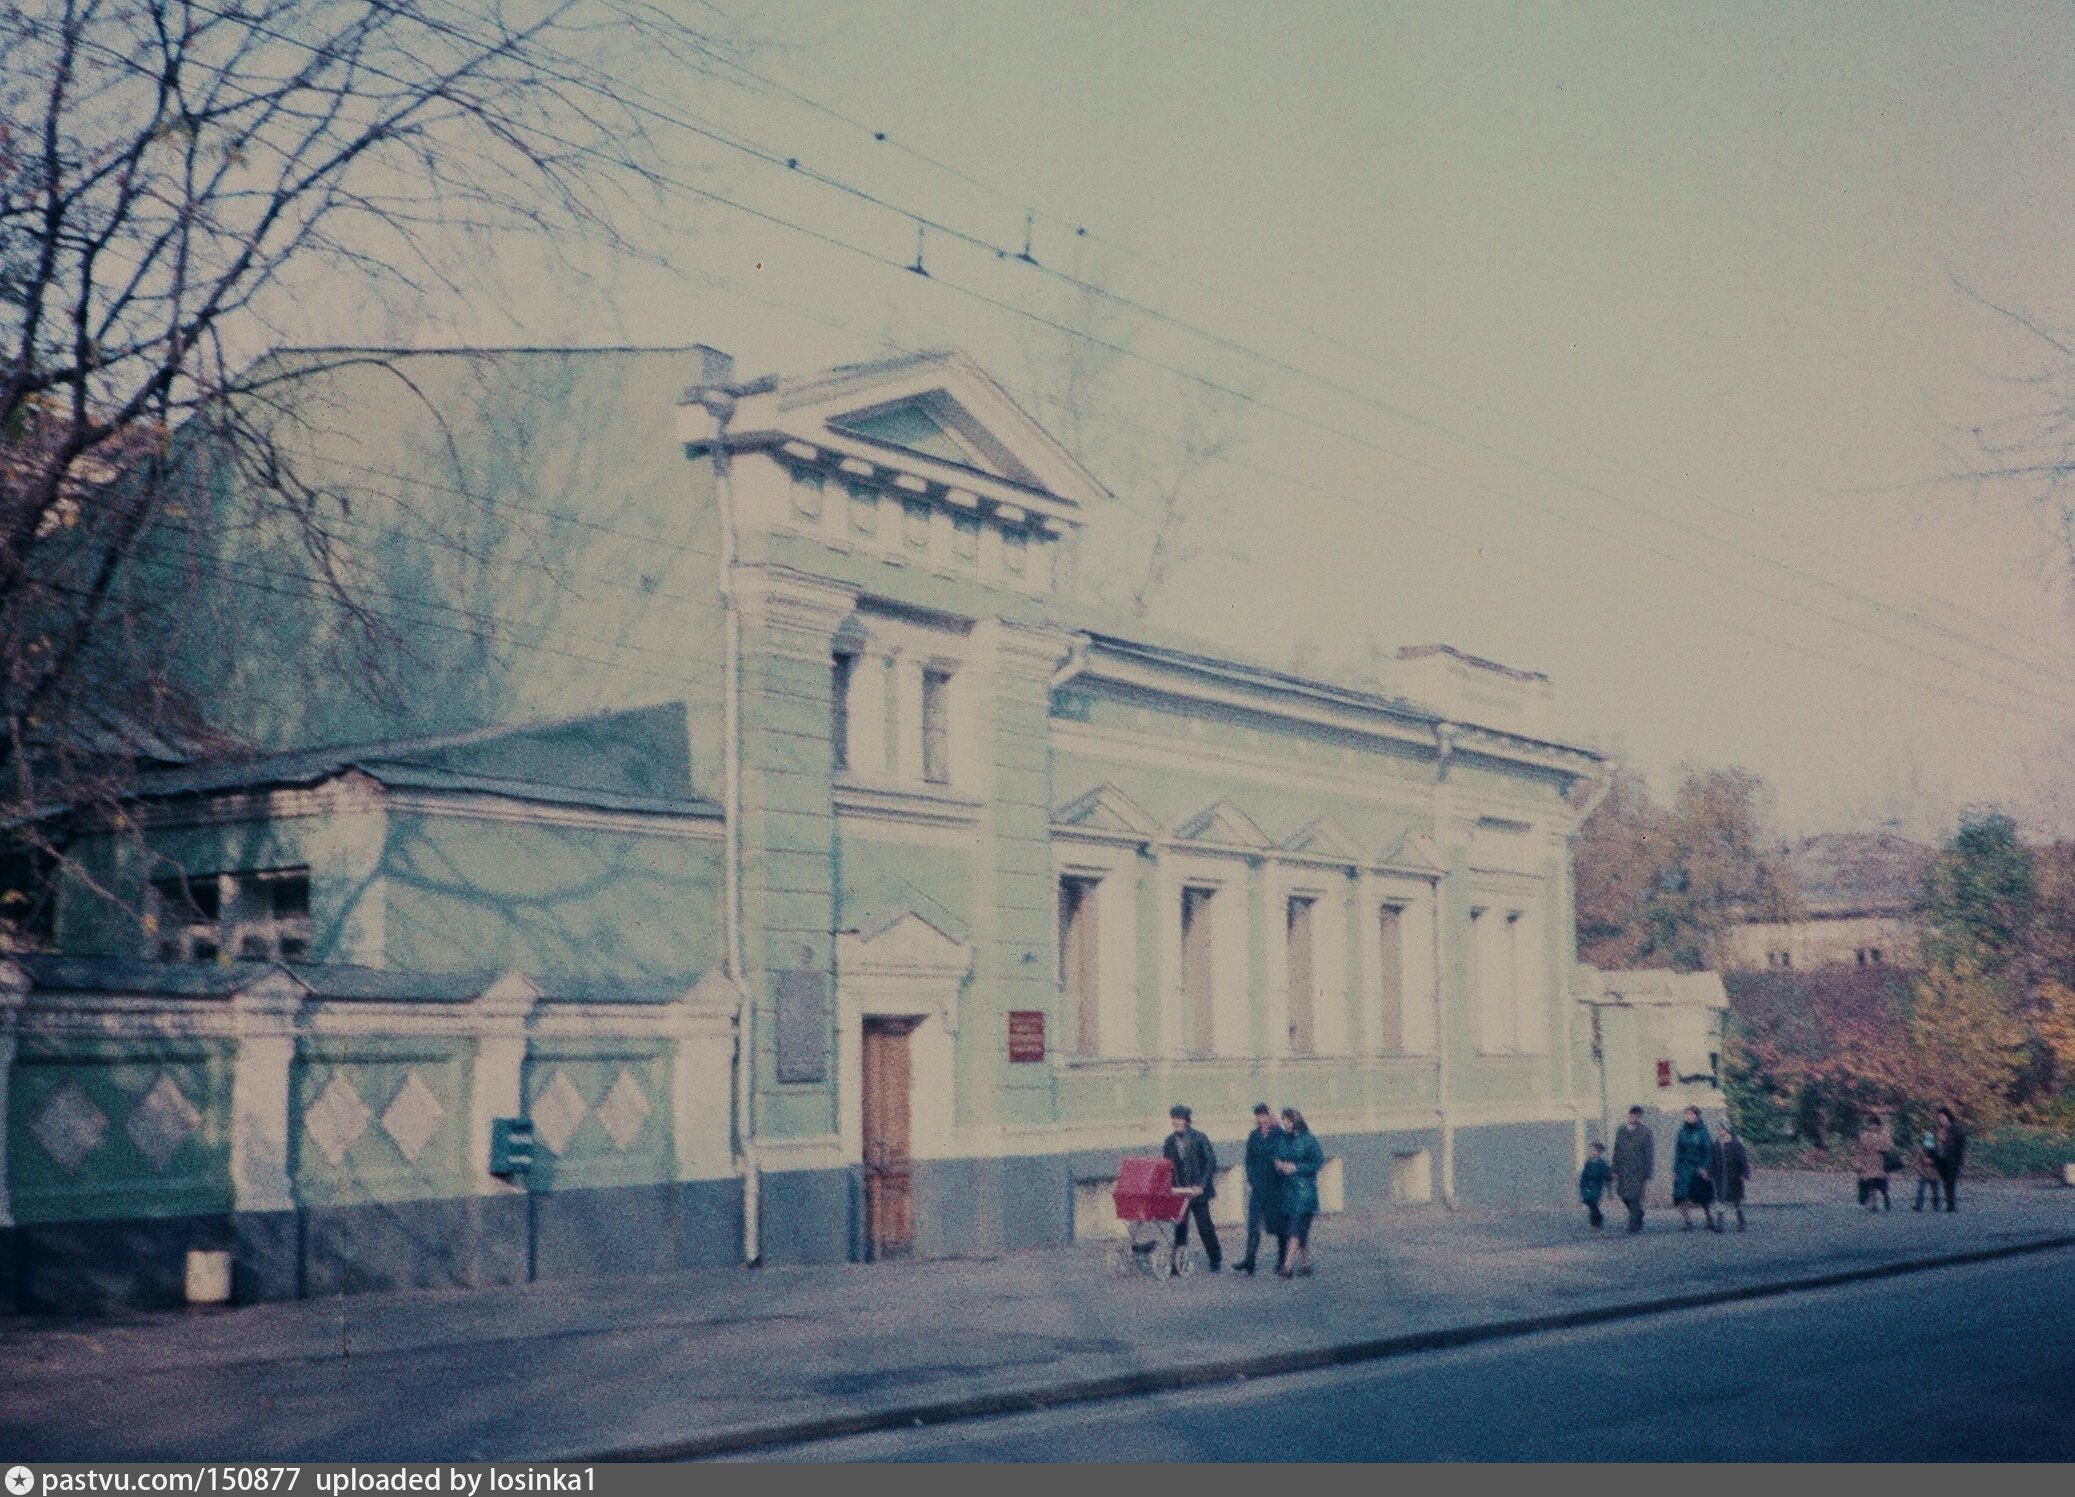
[1272, 1364]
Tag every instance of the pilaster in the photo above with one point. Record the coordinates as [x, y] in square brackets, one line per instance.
[264, 1018]
[499, 1015]
[701, 1025]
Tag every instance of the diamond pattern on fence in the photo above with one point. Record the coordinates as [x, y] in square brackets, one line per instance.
[413, 1116]
[69, 1126]
[335, 1121]
[162, 1122]
[559, 1111]
[624, 1110]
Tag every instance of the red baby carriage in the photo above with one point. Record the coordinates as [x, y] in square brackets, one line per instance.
[1149, 1206]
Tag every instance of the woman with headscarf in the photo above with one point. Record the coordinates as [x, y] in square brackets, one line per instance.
[1298, 1159]
[1693, 1161]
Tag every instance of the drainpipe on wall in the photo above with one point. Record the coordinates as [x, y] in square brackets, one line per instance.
[1444, 749]
[703, 422]
[1441, 1065]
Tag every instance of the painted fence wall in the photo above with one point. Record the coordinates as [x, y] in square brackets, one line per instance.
[340, 1141]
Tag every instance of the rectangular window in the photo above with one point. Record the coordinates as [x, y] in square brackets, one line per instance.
[1480, 1005]
[1390, 969]
[936, 726]
[841, 668]
[1079, 985]
[188, 912]
[256, 917]
[1197, 992]
[1302, 979]
[1503, 974]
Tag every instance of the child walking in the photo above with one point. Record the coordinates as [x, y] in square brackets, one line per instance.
[1592, 1183]
[1927, 1170]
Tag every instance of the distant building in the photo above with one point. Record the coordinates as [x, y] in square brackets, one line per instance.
[1859, 893]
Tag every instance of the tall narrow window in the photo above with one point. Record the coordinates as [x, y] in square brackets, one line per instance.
[1390, 968]
[840, 670]
[1513, 996]
[1480, 1000]
[1077, 958]
[1196, 969]
[1303, 983]
[936, 726]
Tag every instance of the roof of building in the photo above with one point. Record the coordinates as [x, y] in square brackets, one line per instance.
[1842, 873]
[92, 974]
[1174, 650]
[617, 761]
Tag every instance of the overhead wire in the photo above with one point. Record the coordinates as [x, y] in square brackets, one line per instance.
[1191, 376]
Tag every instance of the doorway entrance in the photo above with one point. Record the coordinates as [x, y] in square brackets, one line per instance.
[888, 1120]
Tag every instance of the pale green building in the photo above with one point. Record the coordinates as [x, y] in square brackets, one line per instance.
[748, 816]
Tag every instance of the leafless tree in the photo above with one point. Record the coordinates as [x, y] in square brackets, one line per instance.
[2033, 443]
[1167, 447]
[177, 179]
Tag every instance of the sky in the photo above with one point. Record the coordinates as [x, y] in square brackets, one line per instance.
[1634, 345]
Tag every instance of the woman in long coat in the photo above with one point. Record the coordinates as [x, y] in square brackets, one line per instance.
[1298, 1158]
[1693, 1160]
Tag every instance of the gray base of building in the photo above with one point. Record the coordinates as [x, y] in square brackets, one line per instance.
[962, 1207]
[94, 1268]
[968, 1206]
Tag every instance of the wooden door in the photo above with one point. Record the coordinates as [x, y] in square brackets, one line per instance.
[889, 1171]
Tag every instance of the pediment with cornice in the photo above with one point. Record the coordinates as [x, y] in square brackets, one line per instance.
[1106, 810]
[909, 945]
[1418, 852]
[939, 415]
[1326, 839]
[1225, 825]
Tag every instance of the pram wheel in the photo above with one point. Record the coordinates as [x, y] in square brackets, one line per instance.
[1184, 1261]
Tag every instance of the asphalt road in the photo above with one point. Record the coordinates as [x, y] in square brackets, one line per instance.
[1974, 1363]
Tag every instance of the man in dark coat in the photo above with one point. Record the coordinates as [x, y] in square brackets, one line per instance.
[1635, 1160]
[1949, 1155]
[1195, 1170]
[1263, 1185]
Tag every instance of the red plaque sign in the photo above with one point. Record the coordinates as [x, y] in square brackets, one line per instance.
[1664, 1073]
[1026, 1034]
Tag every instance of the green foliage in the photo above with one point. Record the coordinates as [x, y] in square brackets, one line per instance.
[1981, 896]
[2014, 1151]
[1760, 1108]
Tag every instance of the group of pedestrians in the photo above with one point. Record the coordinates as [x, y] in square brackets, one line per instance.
[1282, 1165]
[1936, 1161]
[1711, 1170]
[1708, 1169]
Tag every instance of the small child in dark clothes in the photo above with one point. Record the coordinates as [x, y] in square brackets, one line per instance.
[1592, 1184]
[1927, 1170]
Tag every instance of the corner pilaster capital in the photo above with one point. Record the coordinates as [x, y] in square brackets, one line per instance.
[714, 1001]
[269, 1005]
[1031, 651]
[506, 1004]
[779, 597]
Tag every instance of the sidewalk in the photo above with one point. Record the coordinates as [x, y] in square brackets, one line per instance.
[732, 1359]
